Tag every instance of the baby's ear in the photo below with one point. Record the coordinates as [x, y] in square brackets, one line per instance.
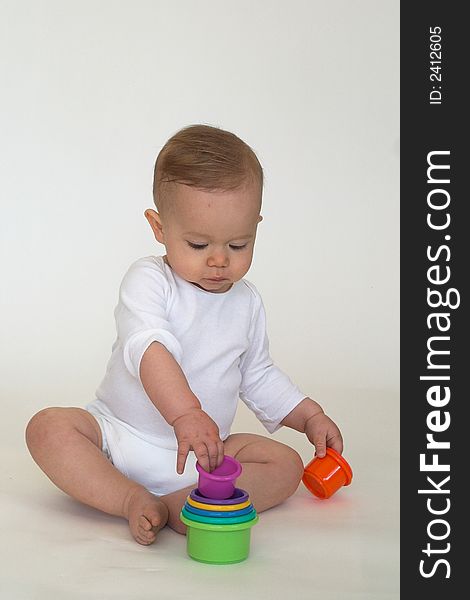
[155, 223]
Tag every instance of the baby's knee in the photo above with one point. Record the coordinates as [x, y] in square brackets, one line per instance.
[41, 427]
[289, 467]
[292, 464]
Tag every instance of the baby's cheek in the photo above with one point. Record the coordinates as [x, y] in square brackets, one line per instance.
[195, 263]
[245, 262]
[183, 264]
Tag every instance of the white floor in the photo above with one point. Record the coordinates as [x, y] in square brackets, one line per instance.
[337, 549]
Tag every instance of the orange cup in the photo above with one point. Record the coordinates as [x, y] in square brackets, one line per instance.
[324, 476]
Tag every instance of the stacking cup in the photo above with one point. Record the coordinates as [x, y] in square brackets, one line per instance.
[325, 476]
[218, 544]
[218, 530]
[220, 483]
[223, 514]
[236, 498]
[219, 520]
[217, 507]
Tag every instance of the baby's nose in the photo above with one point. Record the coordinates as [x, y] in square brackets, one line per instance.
[218, 259]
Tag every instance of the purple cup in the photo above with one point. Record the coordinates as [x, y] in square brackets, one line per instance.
[238, 497]
[220, 483]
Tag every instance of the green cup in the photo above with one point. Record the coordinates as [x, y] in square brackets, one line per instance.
[218, 544]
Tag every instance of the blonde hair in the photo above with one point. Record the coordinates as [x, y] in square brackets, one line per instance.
[207, 158]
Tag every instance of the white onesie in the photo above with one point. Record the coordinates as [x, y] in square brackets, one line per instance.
[220, 342]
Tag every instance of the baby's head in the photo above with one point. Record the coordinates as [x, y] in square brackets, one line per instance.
[208, 187]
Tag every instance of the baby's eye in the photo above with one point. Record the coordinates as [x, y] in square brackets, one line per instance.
[197, 246]
[238, 247]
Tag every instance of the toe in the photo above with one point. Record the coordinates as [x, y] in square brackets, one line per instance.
[145, 537]
[145, 533]
[144, 523]
[143, 541]
[155, 515]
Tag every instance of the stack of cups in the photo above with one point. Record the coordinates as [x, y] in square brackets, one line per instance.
[219, 516]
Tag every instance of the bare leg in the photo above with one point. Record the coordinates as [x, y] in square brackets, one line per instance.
[66, 444]
[271, 473]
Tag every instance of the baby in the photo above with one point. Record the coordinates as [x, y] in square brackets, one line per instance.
[191, 340]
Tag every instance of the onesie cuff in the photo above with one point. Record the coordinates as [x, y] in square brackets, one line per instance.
[138, 343]
[273, 422]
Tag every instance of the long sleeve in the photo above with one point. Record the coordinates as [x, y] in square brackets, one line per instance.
[265, 389]
[141, 314]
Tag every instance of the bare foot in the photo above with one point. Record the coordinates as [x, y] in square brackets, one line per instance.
[146, 515]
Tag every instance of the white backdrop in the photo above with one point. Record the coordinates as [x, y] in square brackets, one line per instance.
[92, 90]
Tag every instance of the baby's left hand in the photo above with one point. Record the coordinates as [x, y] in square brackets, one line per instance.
[322, 432]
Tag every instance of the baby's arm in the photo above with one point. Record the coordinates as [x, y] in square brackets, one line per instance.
[168, 389]
[308, 417]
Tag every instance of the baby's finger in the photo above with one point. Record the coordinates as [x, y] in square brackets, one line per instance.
[216, 453]
[202, 456]
[183, 451]
[213, 453]
[319, 442]
[336, 443]
[220, 452]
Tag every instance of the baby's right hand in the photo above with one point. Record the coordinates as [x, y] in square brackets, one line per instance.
[195, 430]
